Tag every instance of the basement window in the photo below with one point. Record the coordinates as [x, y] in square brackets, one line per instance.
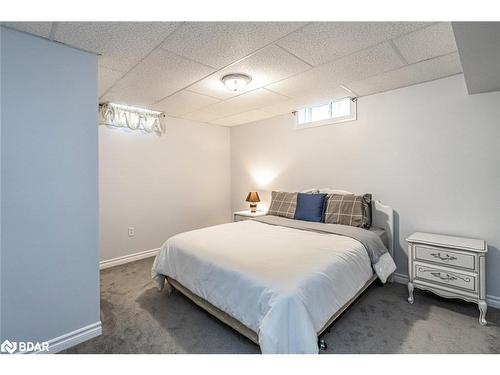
[325, 114]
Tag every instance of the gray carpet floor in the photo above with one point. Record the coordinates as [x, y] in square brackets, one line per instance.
[137, 318]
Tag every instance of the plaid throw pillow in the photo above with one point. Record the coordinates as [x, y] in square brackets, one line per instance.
[349, 209]
[283, 204]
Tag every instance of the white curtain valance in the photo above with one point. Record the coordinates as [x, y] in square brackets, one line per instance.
[132, 118]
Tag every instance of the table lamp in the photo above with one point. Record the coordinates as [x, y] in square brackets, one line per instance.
[253, 198]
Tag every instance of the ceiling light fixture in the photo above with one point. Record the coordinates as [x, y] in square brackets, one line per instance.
[236, 81]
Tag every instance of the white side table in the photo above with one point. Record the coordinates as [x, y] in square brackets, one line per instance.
[451, 267]
[246, 215]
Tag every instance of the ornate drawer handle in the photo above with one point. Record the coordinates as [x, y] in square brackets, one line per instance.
[445, 258]
[448, 277]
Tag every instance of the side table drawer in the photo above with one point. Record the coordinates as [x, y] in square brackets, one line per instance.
[446, 257]
[442, 276]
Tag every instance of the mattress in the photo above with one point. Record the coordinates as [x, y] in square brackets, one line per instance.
[280, 282]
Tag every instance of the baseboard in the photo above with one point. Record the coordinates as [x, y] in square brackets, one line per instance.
[71, 339]
[400, 278]
[127, 258]
[492, 301]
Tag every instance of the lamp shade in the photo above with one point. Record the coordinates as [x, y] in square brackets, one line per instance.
[253, 197]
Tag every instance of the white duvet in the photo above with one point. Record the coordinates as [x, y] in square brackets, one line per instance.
[281, 282]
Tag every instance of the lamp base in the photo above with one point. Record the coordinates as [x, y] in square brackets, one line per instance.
[253, 208]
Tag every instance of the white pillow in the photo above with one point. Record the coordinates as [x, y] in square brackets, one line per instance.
[310, 191]
[334, 191]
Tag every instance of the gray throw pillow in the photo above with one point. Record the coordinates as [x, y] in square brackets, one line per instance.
[283, 204]
[349, 209]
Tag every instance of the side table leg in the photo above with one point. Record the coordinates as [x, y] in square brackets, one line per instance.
[410, 292]
[483, 307]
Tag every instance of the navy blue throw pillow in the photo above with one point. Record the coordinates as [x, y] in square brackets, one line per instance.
[310, 207]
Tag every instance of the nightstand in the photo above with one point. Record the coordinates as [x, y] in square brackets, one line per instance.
[246, 215]
[451, 267]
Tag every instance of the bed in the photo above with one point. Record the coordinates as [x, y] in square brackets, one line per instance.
[279, 282]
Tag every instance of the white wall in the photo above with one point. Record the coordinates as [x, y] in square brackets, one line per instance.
[430, 151]
[49, 261]
[161, 185]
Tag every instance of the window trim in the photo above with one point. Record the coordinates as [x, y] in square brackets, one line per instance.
[332, 120]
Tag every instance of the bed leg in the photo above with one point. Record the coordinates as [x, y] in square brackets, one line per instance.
[168, 288]
[322, 344]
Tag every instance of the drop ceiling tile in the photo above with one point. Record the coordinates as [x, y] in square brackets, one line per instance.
[243, 118]
[432, 41]
[264, 67]
[321, 42]
[243, 103]
[159, 75]
[296, 85]
[107, 78]
[200, 115]
[122, 44]
[220, 43]
[360, 65]
[35, 28]
[311, 98]
[184, 102]
[427, 70]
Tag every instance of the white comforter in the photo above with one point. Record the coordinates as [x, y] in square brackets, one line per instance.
[283, 283]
